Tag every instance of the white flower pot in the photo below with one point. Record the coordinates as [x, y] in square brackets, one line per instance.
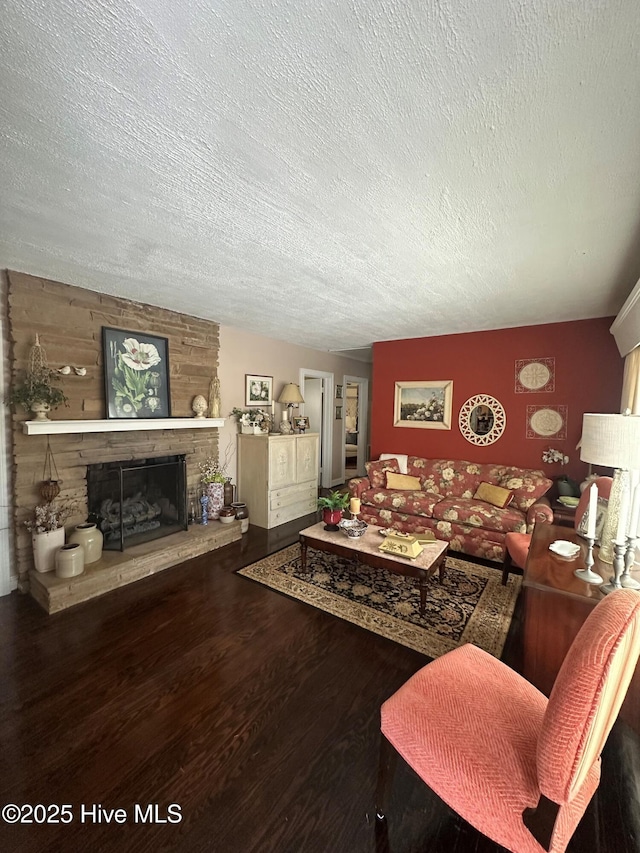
[45, 546]
[40, 410]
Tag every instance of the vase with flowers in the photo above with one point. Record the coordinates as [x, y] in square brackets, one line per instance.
[213, 479]
[252, 421]
[47, 534]
[565, 486]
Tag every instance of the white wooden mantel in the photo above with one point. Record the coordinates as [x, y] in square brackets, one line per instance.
[118, 425]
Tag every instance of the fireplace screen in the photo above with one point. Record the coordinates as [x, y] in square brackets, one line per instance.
[138, 500]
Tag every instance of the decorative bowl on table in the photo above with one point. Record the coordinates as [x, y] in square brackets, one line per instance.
[353, 527]
[565, 548]
[566, 500]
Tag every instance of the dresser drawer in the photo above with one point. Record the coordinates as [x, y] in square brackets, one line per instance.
[288, 513]
[291, 495]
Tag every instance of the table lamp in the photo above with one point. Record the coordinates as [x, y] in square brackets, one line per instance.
[614, 441]
[291, 397]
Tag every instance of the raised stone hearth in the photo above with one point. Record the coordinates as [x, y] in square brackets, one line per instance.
[116, 568]
[69, 321]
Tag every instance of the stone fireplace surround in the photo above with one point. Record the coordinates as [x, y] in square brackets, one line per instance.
[69, 321]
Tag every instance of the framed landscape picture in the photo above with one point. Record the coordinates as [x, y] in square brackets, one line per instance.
[258, 390]
[423, 404]
[136, 374]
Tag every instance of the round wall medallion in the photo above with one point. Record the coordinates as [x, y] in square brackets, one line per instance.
[546, 422]
[482, 419]
[534, 375]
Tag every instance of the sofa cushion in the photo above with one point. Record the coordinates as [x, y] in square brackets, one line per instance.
[480, 514]
[494, 495]
[446, 476]
[412, 503]
[402, 482]
[401, 457]
[527, 485]
[376, 471]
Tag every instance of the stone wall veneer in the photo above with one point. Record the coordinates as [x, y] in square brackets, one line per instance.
[69, 321]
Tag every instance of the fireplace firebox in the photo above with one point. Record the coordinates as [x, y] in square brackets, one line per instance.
[138, 500]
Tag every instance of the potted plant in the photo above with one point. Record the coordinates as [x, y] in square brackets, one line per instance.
[252, 421]
[332, 506]
[47, 534]
[37, 393]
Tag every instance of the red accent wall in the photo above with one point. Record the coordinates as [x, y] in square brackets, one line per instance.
[588, 378]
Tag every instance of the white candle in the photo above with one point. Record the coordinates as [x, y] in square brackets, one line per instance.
[592, 511]
[622, 517]
[635, 513]
[354, 505]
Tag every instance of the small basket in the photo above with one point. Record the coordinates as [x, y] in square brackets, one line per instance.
[353, 527]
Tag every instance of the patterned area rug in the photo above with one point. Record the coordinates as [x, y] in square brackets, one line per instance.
[471, 606]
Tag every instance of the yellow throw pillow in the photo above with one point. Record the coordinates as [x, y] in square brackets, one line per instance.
[494, 495]
[404, 482]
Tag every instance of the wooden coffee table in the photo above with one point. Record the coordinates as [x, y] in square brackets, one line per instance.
[365, 550]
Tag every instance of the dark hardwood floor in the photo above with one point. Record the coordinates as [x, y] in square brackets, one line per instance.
[256, 714]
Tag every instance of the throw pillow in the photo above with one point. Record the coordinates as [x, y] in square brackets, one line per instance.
[403, 482]
[376, 472]
[401, 457]
[494, 495]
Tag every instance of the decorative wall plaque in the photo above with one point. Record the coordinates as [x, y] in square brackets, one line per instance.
[535, 375]
[547, 422]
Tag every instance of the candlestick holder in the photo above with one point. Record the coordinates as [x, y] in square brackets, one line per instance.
[626, 581]
[618, 567]
[588, 574]
[354, 515]
[204, 501]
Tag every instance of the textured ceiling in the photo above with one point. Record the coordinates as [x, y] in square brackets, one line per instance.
[332, 172]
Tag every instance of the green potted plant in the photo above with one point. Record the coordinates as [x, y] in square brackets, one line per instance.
[332, 506]
[37, 394]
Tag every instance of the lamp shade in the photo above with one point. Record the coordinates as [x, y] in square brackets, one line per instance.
[611, 440]
[290, 394]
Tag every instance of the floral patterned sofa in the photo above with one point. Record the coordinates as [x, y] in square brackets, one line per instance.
[443, 495]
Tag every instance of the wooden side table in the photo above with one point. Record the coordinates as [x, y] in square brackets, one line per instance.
[564, 515]
[556, 603]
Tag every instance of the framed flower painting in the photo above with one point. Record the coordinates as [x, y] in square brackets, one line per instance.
[426, 405]
[136, 374]
[258, 390]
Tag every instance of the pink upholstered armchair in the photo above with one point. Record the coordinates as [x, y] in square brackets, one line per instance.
[518, 767]
[516, 545]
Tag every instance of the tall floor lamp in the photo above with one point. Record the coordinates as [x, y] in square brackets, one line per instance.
[614, 441]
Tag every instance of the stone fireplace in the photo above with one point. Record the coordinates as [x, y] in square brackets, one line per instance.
[69, 321]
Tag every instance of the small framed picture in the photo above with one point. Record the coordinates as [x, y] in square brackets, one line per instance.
[338, 413]
[301, 423]
[601, 514]
[258, 390]
[339, 392]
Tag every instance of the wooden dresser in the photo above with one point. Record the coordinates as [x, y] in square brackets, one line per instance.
[278, 476]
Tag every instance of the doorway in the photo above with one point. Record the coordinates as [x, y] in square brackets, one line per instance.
[356, 408]
[316, 387]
